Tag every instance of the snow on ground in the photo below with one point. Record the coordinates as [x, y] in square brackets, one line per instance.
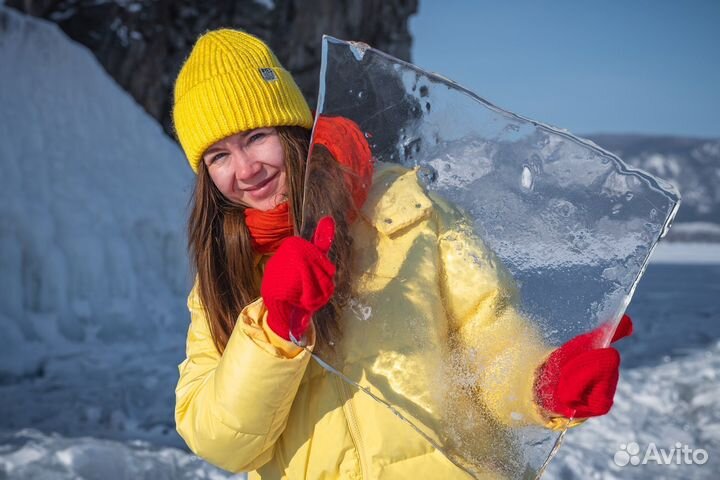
[93, 275]
[676, 401]
[29, 453]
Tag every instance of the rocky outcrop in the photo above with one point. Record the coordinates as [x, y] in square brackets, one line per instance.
[142, 43]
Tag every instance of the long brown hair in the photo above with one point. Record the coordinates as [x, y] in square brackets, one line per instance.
[220, 244]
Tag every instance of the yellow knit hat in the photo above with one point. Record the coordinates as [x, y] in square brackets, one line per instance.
[232, 82]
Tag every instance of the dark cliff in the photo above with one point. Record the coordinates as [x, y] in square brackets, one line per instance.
[142, 43]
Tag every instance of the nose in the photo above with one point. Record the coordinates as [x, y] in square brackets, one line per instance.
[245, 166]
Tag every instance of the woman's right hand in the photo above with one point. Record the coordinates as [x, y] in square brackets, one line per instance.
[298, 281]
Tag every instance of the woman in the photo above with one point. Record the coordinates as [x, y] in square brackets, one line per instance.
[249, 398]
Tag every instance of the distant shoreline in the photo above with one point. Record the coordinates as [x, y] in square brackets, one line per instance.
[694, 253]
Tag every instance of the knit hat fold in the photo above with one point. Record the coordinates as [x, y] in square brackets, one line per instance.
[232, 82]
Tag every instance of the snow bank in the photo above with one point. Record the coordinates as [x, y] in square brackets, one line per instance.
[92, 205]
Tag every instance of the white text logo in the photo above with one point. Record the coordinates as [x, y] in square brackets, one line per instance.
[679, 455]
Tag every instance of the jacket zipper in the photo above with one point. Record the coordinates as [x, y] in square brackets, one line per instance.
[352, 424]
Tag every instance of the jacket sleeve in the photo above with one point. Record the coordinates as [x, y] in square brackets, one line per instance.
[231, 409]
[480, 298]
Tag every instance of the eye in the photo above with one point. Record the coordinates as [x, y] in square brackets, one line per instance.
[213, 158]
[256, 136]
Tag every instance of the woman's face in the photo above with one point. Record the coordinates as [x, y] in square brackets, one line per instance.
[249, 168]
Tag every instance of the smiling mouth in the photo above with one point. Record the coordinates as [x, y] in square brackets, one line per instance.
[261, 184]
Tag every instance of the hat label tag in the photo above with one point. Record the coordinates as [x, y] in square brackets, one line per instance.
[267, 74]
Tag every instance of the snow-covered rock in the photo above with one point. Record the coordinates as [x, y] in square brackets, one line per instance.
[92, 205]
[93, 268]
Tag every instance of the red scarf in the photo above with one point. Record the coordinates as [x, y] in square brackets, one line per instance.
[269, 228]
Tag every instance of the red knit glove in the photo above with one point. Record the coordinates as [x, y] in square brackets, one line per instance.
[579, 379]
[298, 281]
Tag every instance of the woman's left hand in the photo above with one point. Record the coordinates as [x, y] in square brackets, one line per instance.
[579, 380]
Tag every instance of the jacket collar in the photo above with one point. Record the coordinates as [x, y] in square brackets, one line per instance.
[395, 200]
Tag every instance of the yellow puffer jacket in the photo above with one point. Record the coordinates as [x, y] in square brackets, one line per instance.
[264, 405]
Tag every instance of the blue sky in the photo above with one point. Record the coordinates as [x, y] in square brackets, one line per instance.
[634, 66]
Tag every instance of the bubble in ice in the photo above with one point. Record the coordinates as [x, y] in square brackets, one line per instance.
[427, 175]
[563, 208]
[360, 95]
[526, 178]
